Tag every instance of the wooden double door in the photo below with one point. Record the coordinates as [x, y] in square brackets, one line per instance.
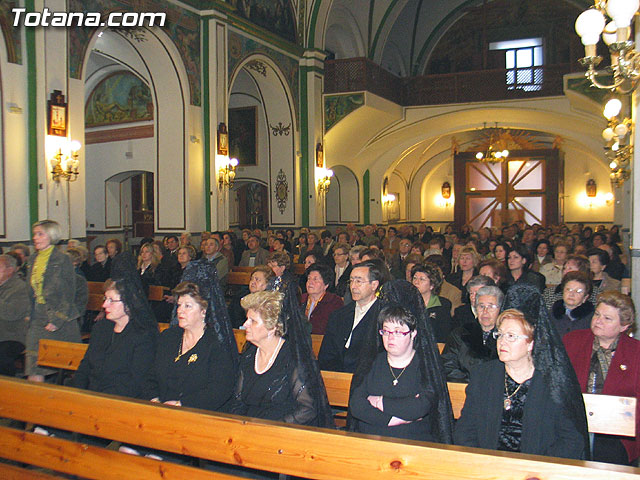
[527, 186]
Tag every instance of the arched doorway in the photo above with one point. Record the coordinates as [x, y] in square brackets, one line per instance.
[343, 199]
[261, 109]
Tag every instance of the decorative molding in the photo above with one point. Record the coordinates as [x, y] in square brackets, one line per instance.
[118, 134]
[282, 191]
[280, 129]
[258, 66]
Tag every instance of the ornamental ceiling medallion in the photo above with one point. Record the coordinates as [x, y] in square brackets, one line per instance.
[282, 191]
[506, 139]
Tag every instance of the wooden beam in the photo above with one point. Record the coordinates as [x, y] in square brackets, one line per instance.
[294, 450]
[92, 462]
[10, 472]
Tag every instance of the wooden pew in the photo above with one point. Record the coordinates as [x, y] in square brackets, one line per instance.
[297, 268]
[313, 453]
[605, 413]
[242, 269]
[96, 287]
[238, 278]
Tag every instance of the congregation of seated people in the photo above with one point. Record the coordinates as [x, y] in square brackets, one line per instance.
[501, 302]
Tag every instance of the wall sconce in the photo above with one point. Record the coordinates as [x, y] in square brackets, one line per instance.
[591, 188]
[324, 179]
[65, 166]
[223, 139]
[446, 190]
[227, 172]
[388, 199]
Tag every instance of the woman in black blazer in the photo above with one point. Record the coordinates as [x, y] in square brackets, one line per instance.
[529, 399]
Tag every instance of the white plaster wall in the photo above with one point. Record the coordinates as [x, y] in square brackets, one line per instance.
[14, 139]
[433, 207]
[108, 159]
[579, 167]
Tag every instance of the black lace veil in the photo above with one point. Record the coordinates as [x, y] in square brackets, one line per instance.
[549, 355]
[296, 333]
[204, 274]
[405, 295]
[132, 294]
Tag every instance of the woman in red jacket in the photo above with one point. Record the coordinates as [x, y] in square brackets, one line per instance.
[318, 303]
[607, 361]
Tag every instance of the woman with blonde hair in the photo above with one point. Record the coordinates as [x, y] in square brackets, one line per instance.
[52, 281]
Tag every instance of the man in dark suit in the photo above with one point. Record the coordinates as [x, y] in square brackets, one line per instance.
[396, 263]
[347, 327]
[255, 255]
[101, 269]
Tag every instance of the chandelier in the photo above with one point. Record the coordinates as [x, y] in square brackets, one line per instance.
[496, 150]
[625, 61]
[617, 148]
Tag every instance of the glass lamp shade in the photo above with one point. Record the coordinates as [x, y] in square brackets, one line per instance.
[612, 108]
[622, 11]
[589, 26]
[609, 34]
[608, 134]
[621, 130]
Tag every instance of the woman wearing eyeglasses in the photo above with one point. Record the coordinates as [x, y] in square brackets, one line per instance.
[573, 311]
[123, 343]
[391, 399]
[528, 400]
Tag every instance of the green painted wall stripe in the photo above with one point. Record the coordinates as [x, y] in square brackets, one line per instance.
[390, 8]
[32, 117]
[206, 120]
[304, 146]
[372, 6]
[311, 41]
[415, 32]
[366, 199]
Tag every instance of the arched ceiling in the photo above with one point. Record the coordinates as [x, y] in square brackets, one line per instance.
[399, 35]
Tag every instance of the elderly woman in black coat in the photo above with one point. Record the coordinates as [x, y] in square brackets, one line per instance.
[472, 343]
[573, 311]
[529, 399]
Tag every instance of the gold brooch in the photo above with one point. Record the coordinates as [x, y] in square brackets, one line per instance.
[623, 367]
[192, 358]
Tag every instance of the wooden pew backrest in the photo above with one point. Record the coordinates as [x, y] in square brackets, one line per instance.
[238, 278]
[606, 414]
[313, 453]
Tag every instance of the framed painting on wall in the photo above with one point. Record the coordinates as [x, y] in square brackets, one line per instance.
[393, 210]
[243, 135]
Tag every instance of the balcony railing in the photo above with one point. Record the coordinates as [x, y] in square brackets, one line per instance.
[357, 74]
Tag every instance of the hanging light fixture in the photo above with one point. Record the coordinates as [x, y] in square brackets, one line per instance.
[625, 61]
[494, 152]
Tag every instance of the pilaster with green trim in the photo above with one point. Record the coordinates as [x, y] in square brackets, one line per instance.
[206, 120]
[304, 145]
[367, 200]
[32, 117]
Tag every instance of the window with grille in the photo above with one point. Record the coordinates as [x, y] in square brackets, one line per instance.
[523, 61]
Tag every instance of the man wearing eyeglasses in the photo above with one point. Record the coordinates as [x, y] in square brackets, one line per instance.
[472, 343]
[347, 326]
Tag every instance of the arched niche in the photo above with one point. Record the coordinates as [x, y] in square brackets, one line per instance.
[258, 83]
[157, 145]
[343, 197]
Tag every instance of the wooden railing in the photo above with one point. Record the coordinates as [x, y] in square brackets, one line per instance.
[312, 453]
[360, 74]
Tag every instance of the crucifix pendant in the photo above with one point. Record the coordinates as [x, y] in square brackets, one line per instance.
[507, 404]
[395, 382]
